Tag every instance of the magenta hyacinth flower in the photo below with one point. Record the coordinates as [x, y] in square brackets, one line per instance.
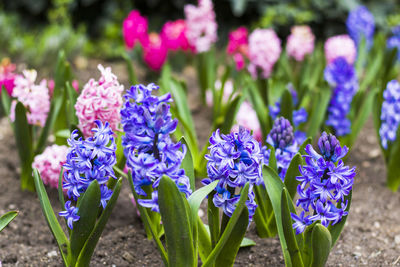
[201, 25]
[154, 51]
[173, 35]
[238, 46]
[49, 164]
[264, 51]
[100, 100]
[300, 42]
[35, 97]
[134, 28]
[7, 75]
[340, 46]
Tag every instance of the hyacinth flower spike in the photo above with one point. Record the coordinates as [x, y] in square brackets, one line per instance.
[281, 154]
[387, 122]
[88, 170]
[324, 196]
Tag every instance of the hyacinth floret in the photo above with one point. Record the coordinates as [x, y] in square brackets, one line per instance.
[324, 183]
[282, 138]
[233, 160]
[394, 41]
[361, 23]
[70, 213]
[342, 77]
[390, 113]
[150, 152]
[89, 160]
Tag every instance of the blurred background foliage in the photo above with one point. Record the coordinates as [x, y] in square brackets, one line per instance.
[35, 31]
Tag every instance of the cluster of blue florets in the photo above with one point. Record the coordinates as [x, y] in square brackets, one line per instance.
[361, 23]
[283, 140]
[324, 183]
[88, 160]
[390, 113]
[342, 77]
[394, 41]
[234, 160]
[148, 148]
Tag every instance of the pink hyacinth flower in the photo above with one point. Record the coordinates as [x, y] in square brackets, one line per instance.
[247, 117]
[49, 164]
[264, 51]
[100, 100]
[340, 46]
[154, 51]
[238, 46]
[35, 97]
[7, 75]
[201, 25]
[134, 28]
[173, 35]
[300, 42]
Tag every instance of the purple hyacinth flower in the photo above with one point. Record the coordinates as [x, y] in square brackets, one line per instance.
[390, 111]
[394, 41]
[324, 183]
[300, 222]
[361, 23]
[234, 160]
[70, 214]
[149, 150]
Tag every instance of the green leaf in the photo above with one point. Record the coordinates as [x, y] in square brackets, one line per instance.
[321, 245]
[261, 216]
[291, 174]
[287, 106]
[228, 253]
[290, 238]
[5, 101]
[72, 96]
[60, 189]
[213, 220]
[64, 133]
[131, 70]
[91, 242]
[177, 224]
[204, 240]
[272, 158]
[23, 139]
[247, 242]
[230, 114]
[56, 230]
[372, 71]
[231, 235]
[147, 222]
[393, 166]
[303, 146]
[274, 187]
[362, 115]
[318, 111]
[7, 218]
[258, 105]
[336, 229]
[88, 207]
[187, 164]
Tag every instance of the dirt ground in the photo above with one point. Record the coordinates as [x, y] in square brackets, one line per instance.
[371, 236]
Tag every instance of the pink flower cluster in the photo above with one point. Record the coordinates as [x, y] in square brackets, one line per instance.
[49, 164]
[154, 51]
[238, 46]
[173, 35]
[35, 97]
[340, 46]
[7, 75]
[247, 117]
[100, 100]
[134, 28]
[201, 25]
[264, 51]
[300, 42]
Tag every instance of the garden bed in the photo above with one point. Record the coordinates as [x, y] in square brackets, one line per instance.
[371, 235]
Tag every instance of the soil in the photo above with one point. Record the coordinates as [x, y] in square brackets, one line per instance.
[371, 236]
